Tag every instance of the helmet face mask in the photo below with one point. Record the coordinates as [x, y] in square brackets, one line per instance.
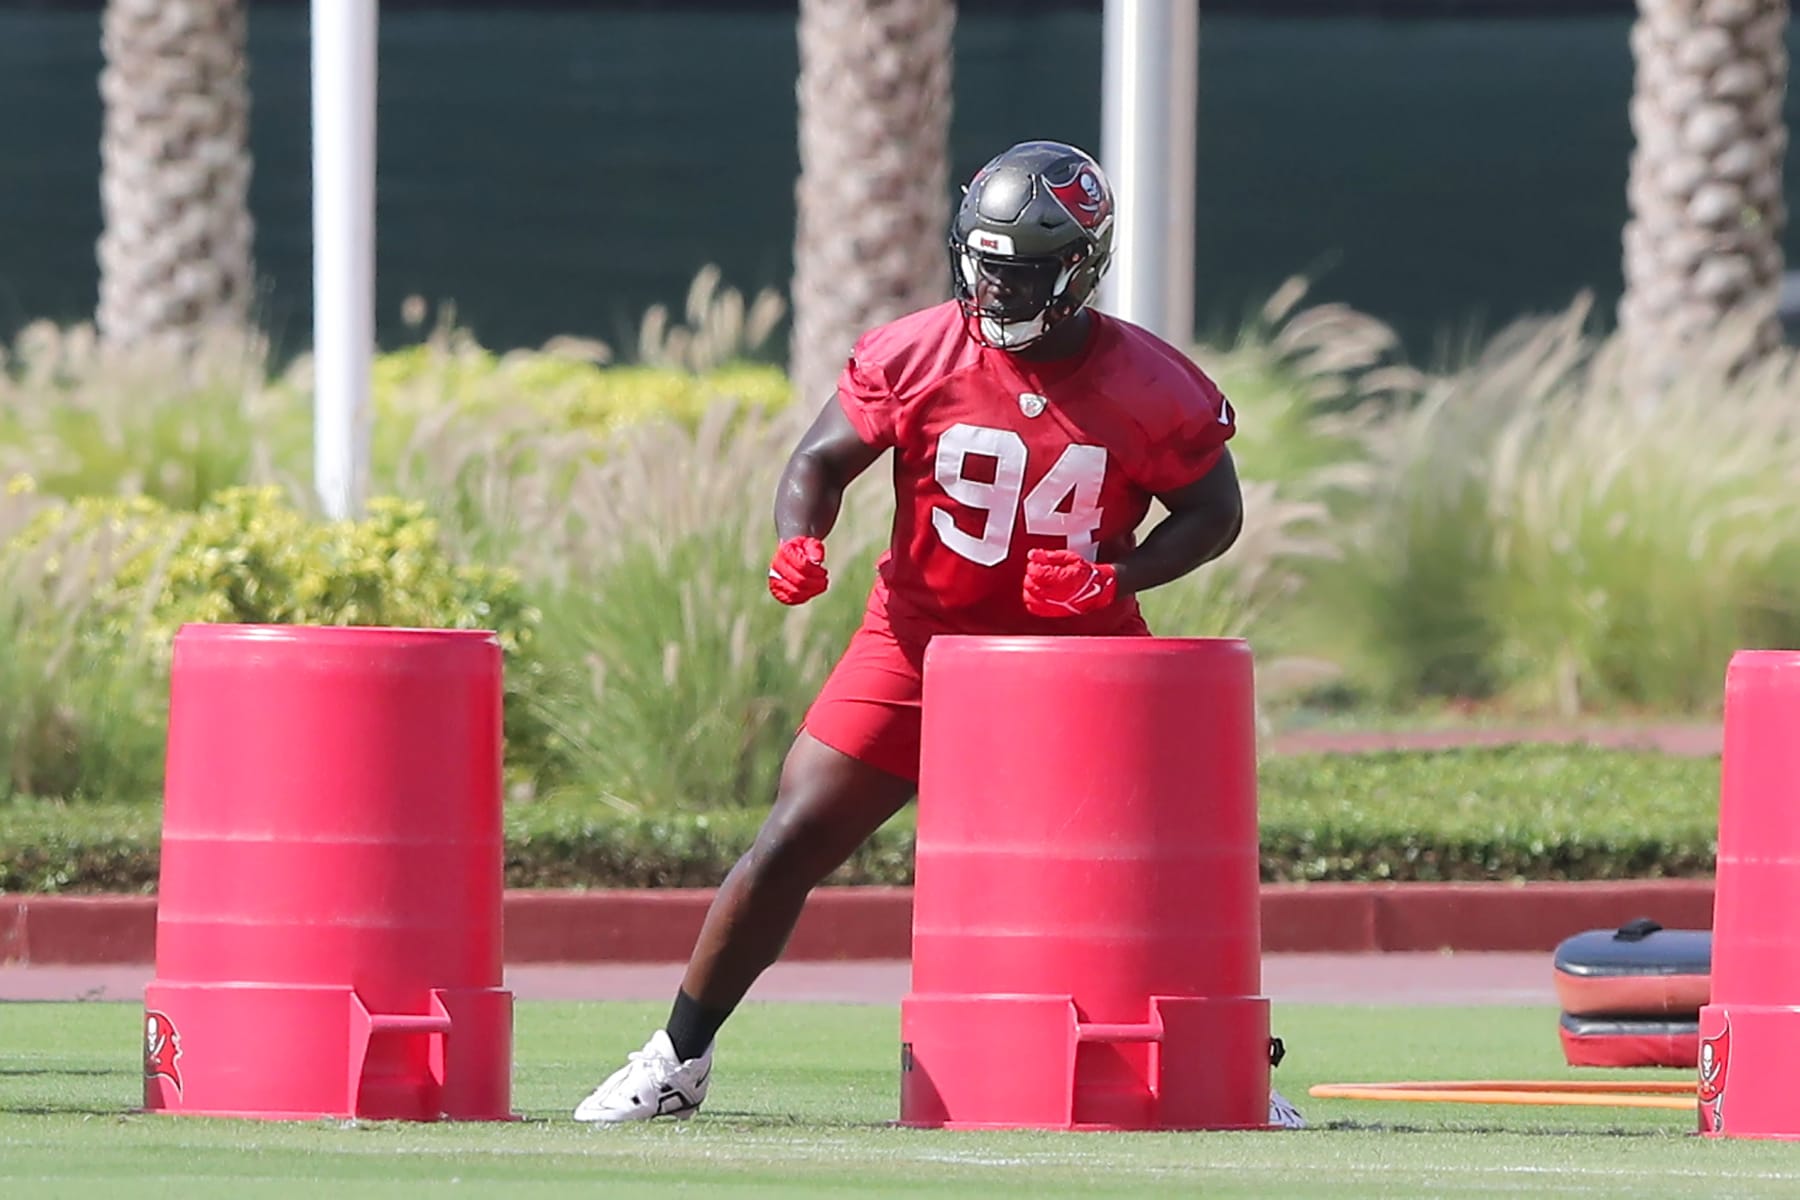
[1030, 242]
[1009, 299]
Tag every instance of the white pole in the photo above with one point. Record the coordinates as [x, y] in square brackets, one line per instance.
[343, 145]
[1149, 93]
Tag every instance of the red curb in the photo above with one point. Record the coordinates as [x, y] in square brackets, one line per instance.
[1533, 916]
[12, 931]
[85, 930]
[1319, 918]
[661, 925]
[853, 922]
[856, 923]
[617, 926]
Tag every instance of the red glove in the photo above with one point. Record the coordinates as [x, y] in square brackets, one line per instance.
[797, 573]
[1061, 583]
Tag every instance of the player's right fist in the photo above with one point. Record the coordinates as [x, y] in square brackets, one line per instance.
[797, 573]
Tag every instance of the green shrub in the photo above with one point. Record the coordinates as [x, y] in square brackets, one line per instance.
[247, 556]
[555, 846]
[1519, 812]
[1523, 812]
[102, 846]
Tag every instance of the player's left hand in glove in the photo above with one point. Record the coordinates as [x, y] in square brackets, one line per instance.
[1061, 583]
[797, 573]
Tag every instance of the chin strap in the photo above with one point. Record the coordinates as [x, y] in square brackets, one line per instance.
[1011, 335]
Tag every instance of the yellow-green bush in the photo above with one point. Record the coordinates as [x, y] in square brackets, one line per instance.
[247, 556]
[624, 395]
[566, 389]
[179, 424]
[684, 369]
[450, 391]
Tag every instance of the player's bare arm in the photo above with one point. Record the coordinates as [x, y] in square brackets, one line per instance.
[1204, 519]
[828, 457]
[807, 500]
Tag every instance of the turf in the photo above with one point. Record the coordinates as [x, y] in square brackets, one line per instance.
[802, 1105]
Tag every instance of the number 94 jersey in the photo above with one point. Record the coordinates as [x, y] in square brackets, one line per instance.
[996, 455]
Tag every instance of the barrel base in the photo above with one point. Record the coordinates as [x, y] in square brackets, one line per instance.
[301, 1052]
[1031, 1062]
[1747, 1054]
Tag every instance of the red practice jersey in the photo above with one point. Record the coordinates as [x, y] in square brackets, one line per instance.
[996, 455]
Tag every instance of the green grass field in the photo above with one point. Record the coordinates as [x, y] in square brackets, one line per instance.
[802, 1104]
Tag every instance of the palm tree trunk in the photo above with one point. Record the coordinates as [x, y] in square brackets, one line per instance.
[1707, 213]
[873, 193]
[175, 253]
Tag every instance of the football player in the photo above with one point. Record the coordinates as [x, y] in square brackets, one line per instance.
[1029, 435]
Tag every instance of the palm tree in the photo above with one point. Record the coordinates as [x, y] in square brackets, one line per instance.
[1707, 211]
[874, 95]
[174, 169]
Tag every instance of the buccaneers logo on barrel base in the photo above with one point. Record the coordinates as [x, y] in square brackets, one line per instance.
[162, 1047]
[1715, 1060]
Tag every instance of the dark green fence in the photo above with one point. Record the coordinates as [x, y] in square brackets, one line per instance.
[558, 169]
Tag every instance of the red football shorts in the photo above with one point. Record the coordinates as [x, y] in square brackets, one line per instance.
[870, 705]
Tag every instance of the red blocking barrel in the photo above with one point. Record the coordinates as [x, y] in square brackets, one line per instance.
[1086, 940]
[329, 912]
[1750, 1032]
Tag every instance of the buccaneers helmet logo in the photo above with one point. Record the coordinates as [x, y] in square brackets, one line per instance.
[1715, 1061]
[162, 1048]
[1083, 197]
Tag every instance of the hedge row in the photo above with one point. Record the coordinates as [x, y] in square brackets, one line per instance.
[1526, 812]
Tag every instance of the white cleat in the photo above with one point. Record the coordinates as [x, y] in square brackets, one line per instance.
[1283, 1115]
[654, 1083]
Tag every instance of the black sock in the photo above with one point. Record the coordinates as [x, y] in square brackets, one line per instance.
[691, 1027]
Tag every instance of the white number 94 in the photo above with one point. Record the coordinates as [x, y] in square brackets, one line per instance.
[1075, 477]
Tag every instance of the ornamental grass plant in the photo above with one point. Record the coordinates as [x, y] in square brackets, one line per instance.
[1545, 529]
